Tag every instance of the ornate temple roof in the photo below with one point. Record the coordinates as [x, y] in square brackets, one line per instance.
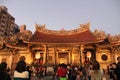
[80, 35]
[21, 46]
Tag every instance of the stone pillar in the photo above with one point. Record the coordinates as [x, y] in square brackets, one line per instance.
[55, 56]
[80, 53]
[45, 55]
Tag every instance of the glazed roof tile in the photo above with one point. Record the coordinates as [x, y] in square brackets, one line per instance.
[81, 37]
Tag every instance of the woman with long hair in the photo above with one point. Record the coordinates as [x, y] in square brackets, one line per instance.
[97, 73]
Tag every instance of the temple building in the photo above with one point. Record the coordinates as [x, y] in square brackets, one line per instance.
[77, 46]
[63, 46]
[44, 46]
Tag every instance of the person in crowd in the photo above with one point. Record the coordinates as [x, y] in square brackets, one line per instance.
[8, 69]
[22, 58]
[62, 72]
[117, 70]
[50, 70]
[74, 72]
[97, 73]
[69, 72]
[56, 77]
[20, 72]
[3, 72]
[90, 71]
[30, 72]
[111, 72]
[81, 73]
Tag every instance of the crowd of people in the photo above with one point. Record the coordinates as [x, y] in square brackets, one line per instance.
[4, 72]
[88, 71]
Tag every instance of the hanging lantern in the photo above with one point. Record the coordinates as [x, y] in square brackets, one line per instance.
[37, 55]
[88, 54]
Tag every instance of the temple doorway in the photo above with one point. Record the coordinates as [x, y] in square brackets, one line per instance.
[63, 57]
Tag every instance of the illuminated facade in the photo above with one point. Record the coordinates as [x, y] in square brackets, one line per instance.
[63, 46]
[77, 46]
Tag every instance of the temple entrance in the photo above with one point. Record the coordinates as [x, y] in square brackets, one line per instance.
[63, 57]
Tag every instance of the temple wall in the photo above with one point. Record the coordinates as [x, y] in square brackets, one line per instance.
[27, 55]
[117, 53]
[6, 57]
[74, 57]
[104, 58]
[109, 59]
[61, 56]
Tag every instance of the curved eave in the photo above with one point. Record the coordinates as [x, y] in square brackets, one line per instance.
[79, 38]
[77, 43]
[17, 47]
[96, 41]
[116, 42]
[110, 44]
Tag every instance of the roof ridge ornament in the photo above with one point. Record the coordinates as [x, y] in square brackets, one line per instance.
[82, 28]
[85, 26]
[40, 27]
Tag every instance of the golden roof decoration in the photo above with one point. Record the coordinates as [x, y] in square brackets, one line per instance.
[24, 35]
[101, 35]
[11, 39]
[82, 28]
[114, 38]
